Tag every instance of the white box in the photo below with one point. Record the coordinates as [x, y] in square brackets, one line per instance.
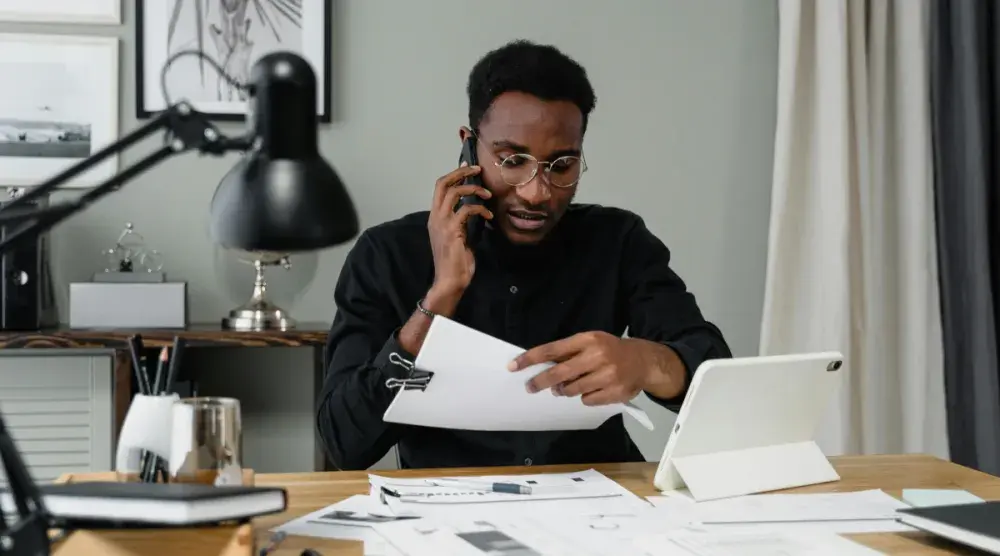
[123, 305]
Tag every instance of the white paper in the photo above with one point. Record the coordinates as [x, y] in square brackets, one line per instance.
[697, 543]
[350, 519]
[611, 534]
[505, 535]
[869, 511]
[584, 493]
[471, 389]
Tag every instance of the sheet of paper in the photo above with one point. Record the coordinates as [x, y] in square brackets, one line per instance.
[350, 519]
[698, 543]
[471, 389]
[870, 511]
[511, 535]
[583, 493]
[473, 538]
[611, 534]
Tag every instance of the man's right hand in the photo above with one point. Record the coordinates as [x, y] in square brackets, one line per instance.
[454, 263]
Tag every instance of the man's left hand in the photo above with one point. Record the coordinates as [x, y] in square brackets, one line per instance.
[603, 368]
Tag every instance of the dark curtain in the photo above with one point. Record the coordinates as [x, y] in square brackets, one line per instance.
[964, 72]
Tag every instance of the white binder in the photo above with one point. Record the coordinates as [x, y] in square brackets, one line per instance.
[460, 380]
[747, 426]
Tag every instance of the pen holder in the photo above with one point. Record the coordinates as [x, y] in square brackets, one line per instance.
[206, 442]
[198, 439]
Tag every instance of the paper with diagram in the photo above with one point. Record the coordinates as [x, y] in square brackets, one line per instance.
[585, 492]
[462, 382]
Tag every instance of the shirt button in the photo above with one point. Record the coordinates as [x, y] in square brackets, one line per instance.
[513, 289]
[527, 461]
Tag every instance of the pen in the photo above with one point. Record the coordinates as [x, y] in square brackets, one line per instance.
[507, 488]
[135, 350]
[175, 364]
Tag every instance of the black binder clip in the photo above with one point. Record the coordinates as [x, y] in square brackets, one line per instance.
[415, 379]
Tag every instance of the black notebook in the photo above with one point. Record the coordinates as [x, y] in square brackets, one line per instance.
[152, 504]
[976, 524]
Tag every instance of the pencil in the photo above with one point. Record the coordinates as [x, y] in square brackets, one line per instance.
[158, 389]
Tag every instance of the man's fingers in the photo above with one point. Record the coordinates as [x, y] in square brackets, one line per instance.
[454, 193]
[556, 351]
[445, 182]
[557, 374]
[583, 385]
[468, 210]
[604, 397]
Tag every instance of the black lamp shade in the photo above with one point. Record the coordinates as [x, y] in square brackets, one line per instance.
[282, 196]
[283, 206]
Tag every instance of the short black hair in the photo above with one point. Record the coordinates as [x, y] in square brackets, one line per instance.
[539, 70]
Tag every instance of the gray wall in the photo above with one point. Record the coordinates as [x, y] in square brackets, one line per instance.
[682, 134]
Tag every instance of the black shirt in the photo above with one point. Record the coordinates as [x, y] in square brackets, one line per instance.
[599, 269]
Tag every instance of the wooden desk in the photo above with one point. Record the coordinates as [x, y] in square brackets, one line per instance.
[309, 492]
[310, 335]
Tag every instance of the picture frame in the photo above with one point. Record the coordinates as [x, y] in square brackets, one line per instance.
[63, 109]
[92, 12]
[255, 27]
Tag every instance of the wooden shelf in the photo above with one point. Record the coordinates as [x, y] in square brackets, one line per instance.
[198, 335]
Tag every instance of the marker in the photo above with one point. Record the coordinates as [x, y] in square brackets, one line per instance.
[508, 488]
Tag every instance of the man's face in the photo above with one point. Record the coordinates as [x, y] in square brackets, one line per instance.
[519, 124]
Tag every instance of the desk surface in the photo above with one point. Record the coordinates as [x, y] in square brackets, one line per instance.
[197, 335]
[309, 492]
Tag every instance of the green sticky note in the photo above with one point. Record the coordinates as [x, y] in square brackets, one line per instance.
[927, 497]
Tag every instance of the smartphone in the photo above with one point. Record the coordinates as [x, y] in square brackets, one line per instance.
[475, 223]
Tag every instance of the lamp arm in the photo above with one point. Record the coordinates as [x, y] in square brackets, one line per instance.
[187, 130]
[27, 532]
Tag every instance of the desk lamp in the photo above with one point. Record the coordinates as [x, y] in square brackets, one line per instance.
[281, 196]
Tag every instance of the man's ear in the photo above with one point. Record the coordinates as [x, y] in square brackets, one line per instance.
[464, 133]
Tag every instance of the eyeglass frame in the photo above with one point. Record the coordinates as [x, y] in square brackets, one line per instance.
[498, 162]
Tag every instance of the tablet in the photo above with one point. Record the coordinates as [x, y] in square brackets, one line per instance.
[750, 402]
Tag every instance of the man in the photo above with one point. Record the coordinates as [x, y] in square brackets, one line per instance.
[563, 281]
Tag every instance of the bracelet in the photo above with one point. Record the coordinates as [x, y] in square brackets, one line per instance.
[420, 307]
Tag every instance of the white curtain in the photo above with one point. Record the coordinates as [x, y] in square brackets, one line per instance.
[851, 255]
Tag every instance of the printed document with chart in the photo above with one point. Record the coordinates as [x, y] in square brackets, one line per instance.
[585, 492]
[470, 388]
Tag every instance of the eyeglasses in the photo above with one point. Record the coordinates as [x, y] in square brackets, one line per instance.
[520, 168]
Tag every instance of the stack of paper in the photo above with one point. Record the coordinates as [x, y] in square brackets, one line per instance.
[470, 388]
[588, 514]
[601, 501]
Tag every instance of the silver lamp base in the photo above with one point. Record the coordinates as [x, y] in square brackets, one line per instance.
[270, 317]
[259, 313]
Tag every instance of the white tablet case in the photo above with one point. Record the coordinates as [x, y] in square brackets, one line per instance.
[748, 424]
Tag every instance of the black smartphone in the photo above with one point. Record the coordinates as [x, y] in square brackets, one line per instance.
[475, 223]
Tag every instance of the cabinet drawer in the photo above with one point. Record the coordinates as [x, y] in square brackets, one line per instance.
[59, 410]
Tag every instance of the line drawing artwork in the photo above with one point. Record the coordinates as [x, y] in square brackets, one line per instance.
[234, 33]
[45, 116]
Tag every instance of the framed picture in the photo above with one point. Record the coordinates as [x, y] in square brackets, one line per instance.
[62, 11]
[59, 105]
[235, 34]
